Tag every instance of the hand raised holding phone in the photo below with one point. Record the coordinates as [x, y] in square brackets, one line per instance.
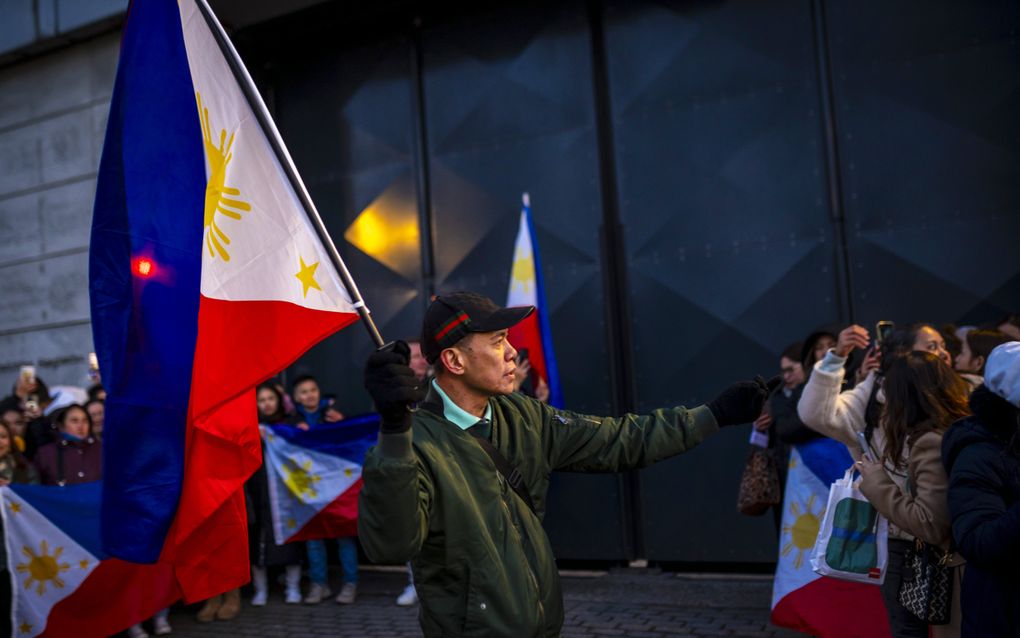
[852, 337]
[872, 361]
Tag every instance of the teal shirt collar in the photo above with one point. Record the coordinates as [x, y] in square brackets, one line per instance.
[457, 415]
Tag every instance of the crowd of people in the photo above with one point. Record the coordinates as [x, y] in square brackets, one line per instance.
[55, 438]
[938, 406]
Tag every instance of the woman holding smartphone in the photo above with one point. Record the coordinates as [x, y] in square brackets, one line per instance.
[907, 482]
[842, 415]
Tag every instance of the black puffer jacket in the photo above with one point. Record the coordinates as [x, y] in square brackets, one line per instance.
[982, 458]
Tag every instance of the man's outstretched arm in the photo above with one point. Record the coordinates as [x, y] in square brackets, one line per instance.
[582, 443]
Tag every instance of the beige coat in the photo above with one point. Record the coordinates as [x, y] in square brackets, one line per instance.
[925, 512]
[840, 415]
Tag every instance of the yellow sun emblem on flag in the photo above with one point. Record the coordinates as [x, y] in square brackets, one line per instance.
[42, 567]
[804, 530]
[523, 273]
[220, 199]
[300, 480]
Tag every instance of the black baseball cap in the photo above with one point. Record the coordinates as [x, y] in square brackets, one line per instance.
[452, 317]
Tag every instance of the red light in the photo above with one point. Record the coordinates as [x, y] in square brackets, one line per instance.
[144, 267]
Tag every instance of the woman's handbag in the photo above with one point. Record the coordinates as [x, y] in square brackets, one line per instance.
[759, 485]
[927, 586]
[853, 538]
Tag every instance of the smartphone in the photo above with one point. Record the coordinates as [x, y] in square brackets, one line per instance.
[28, 374]
[883, 329]
[865, 448]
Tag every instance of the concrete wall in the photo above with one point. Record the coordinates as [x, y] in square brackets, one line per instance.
[52, 120]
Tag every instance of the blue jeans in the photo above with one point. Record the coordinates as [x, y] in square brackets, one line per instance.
[348, 551]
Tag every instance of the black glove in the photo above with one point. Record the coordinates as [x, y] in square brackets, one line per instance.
[742, 402]
[393, 386]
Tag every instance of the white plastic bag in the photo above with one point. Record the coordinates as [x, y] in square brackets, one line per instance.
[853, 540]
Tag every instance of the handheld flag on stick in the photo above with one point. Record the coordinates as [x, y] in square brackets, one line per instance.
[210, 271]
[527, 289]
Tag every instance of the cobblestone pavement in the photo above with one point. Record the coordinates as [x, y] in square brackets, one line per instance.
[625, 602]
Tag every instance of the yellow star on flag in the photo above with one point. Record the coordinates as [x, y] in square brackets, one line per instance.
[25, 628]
[15, 507]
[291, 523]
[84, 564]
[307, 276]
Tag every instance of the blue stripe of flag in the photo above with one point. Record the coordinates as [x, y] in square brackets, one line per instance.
[149, 203]
[348, 439]
[826, 458]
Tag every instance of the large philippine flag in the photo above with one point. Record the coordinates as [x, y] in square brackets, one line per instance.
[801, 599]
[315, 477]
[59, 570]
[206, 278]
[528, 289]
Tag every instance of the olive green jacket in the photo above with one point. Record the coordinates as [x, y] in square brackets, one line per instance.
[482, 562]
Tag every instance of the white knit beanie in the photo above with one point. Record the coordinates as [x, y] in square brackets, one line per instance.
[1002, 372]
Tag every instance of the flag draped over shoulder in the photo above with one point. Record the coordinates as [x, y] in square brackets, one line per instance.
[802, 599]
[59, 570]
[527, 289]
[315, 477]
[206, 277]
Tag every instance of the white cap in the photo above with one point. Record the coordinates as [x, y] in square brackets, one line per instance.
[1002, 372]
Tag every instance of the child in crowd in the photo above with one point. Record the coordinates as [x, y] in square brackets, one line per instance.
[310, 409]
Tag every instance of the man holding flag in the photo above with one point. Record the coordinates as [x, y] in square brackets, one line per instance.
[458, 485]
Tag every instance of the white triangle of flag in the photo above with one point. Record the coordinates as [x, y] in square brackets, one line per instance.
[804, 503]
[523, 287]
[258, 243]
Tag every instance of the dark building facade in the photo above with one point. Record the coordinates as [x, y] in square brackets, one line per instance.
[710, 181]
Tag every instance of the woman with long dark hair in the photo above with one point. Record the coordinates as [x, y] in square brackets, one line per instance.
[907, 482]
[265, 553]
[975, 347]
[982, 456]
[841, 415]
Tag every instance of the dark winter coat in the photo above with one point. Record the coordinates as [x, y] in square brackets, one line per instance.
[982, 458]
[262, 548]
[69, 462]
[483, 565]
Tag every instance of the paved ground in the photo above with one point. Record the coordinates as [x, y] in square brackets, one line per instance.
[625, 602]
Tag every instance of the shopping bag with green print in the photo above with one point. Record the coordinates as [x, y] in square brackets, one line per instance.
[853, 540]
